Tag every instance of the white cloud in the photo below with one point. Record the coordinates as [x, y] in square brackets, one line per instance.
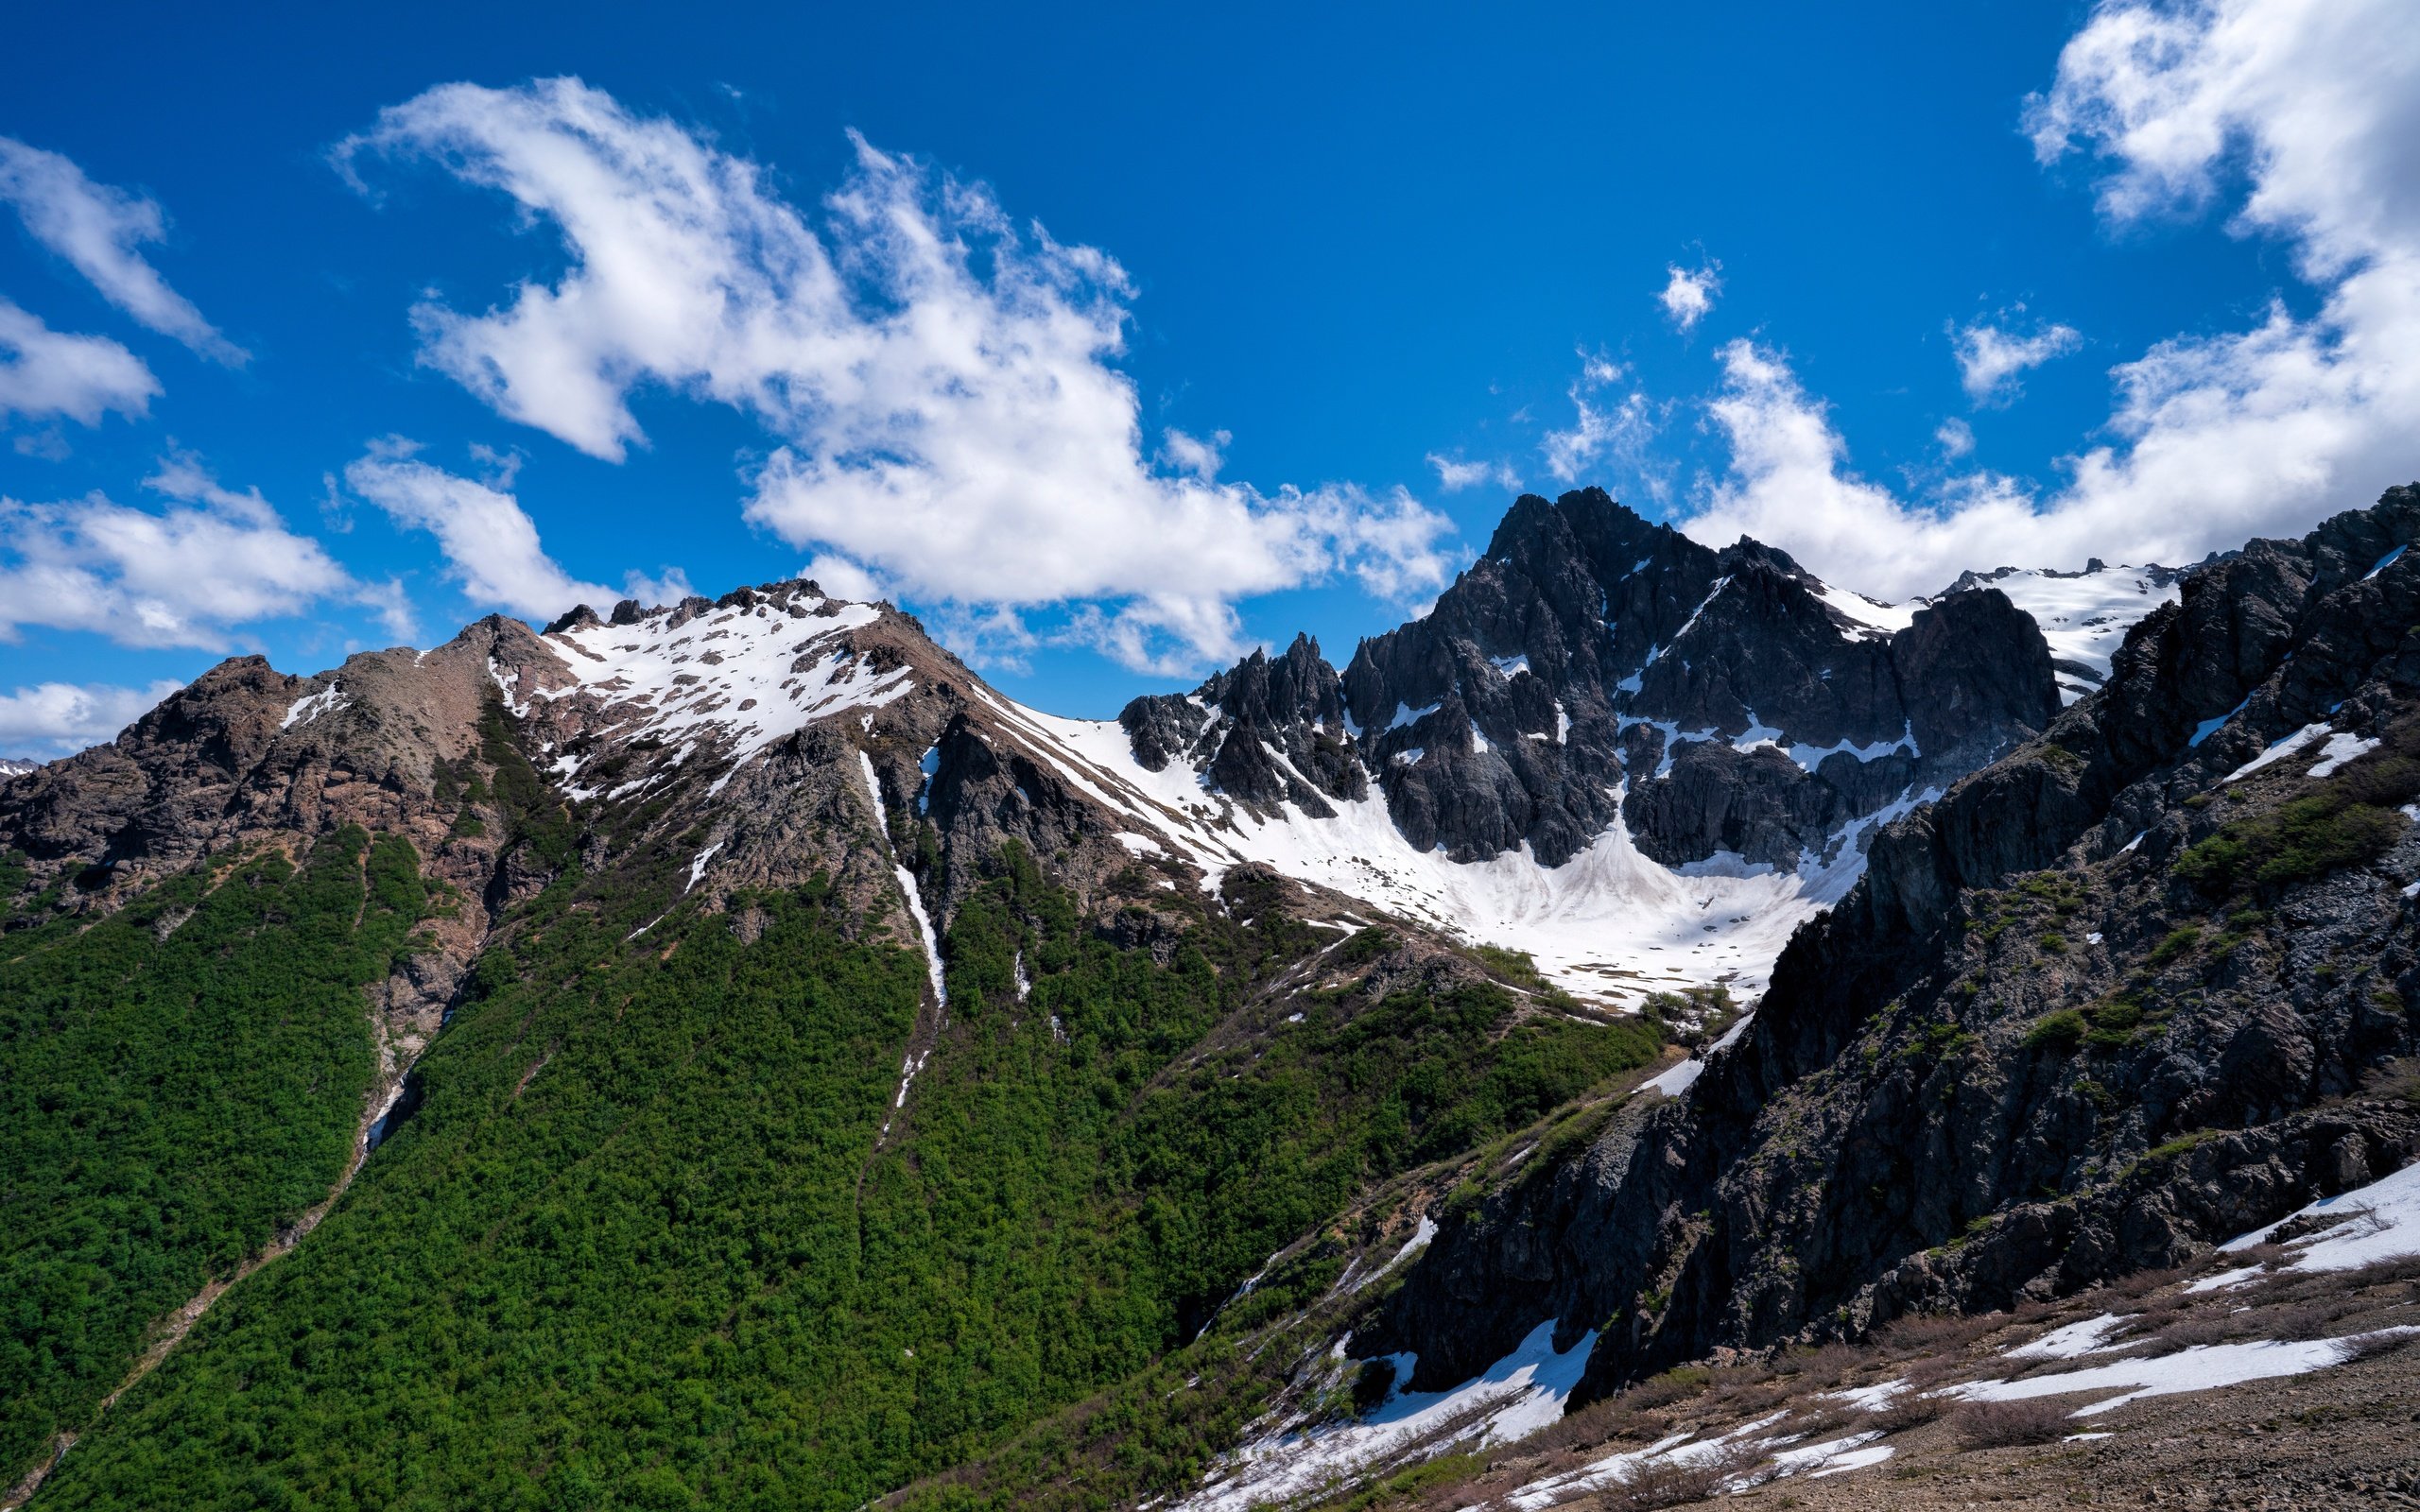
[178, 576]
[1455, 473]
[97, 228]
[1194, 456]
[941, 379]
[51, 372]
[1955, 437]
[1616, 432]
[670, 586]
[490, 544]
[1690, 294]
[843, 579]
[2218, 437]
[1990, 358]
[59, 718]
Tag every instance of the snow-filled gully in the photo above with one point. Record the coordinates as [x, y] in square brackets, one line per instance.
[915, 898]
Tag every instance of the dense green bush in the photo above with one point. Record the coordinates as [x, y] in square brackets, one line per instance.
[177, 1082]
[2349, 820]
[646, 1242]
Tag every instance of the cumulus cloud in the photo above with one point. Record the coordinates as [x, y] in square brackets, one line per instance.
[182, 576]
[1956, 437]
[2217, 438]
[1990, 358]
[1456, 474]
[1691, 293]
[1607, 430]
[59, 718]
[941, 379]
[843, 578]
[97, 228]
[46, 372]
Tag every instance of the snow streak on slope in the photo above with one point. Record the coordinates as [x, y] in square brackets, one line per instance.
[1609, 923]
[754, 674]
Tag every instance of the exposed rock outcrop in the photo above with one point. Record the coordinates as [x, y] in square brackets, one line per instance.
[1589, 653]
[2110, 1000]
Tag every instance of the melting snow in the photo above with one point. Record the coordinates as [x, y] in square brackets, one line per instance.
[2340, 749]
[2279, 749]
[2201, 1368]
[2090, 1336]
[915, 899]
[1516, 1396]
[774, 673]
[1677, 1079]
[2380, 1222]
[2086, 617]
[305, 709]
[2384, 562]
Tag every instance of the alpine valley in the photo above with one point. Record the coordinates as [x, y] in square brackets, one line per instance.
[1655, 1025]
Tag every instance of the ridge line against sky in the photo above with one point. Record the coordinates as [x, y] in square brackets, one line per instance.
[898, 381]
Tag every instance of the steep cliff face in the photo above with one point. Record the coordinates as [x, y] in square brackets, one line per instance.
[2110, 1000]
[1740, 704]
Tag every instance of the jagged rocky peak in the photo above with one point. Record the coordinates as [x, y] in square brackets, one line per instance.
[1592, 665]
[2110, 1000]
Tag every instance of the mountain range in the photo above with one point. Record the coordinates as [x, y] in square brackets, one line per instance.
[727, 1053]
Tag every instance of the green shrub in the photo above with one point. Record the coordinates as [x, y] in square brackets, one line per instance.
[2180, 940]
[2063, 1030]
[2350, 820]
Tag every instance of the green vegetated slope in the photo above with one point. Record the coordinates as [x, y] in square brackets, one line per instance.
[646, 1245]
[177, 1082]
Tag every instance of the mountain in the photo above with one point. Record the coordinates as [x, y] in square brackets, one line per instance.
[11, 767]
[2127, 992]
[728, 1054]
[1746, 723]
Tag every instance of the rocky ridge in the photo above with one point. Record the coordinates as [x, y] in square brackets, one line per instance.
[1592, 665]
[2112, 999]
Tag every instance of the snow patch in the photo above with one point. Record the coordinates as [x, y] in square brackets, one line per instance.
[2084, 616]
[2204, 1367]
[2340, 749]
[1876, 621]
[305, 709]
[1516, 1397]
[2378, 1222]
[2090, 1336]
[2212, 726]
[2279, 749]
[787, 672]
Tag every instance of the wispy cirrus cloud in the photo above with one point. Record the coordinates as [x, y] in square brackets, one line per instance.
[941, 381]
[1456, 474]
[46, 372]
[97, 228]
[1610, 431]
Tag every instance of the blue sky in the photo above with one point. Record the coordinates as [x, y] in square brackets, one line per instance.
[326, 331]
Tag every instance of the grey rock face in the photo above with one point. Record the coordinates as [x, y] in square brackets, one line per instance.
[1582, 657]
[2036, 1048]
